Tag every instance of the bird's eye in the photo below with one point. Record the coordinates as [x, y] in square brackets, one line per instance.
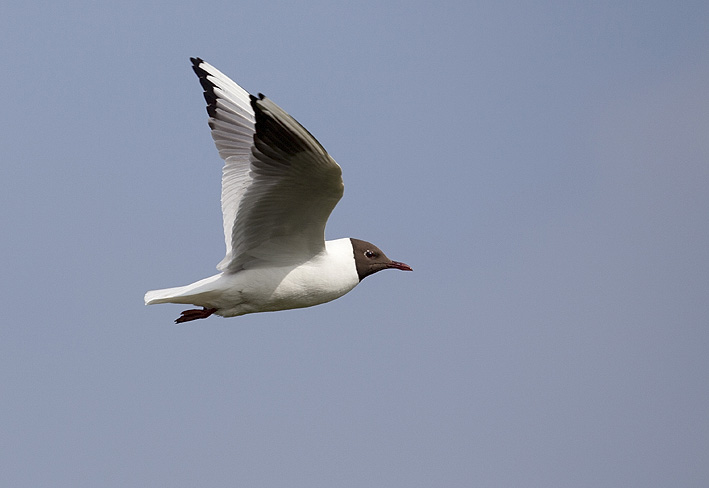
[369, 254]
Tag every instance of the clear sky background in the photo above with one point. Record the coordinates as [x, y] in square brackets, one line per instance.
[543, 166]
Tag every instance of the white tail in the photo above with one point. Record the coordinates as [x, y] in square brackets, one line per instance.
[183, 294]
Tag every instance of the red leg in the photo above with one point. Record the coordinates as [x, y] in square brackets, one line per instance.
[195, 314]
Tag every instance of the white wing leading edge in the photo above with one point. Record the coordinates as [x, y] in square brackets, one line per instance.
[279, 185]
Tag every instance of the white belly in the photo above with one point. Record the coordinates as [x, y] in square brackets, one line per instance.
[327, 276]
[322, 279]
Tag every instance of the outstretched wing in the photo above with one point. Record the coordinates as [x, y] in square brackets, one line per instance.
[279, 185]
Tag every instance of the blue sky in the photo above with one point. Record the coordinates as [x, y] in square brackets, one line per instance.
[542, 166]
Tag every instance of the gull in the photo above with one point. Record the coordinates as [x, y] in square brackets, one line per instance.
[279, 186]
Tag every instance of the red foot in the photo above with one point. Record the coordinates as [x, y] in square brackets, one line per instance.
[195, 314]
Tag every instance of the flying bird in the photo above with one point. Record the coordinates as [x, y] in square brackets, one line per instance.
[279, 186]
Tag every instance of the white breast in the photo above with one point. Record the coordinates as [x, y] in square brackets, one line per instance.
[326, 276]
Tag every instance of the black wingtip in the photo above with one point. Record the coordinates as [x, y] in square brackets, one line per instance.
[254, 99]
[199, 71]
[207, 86]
